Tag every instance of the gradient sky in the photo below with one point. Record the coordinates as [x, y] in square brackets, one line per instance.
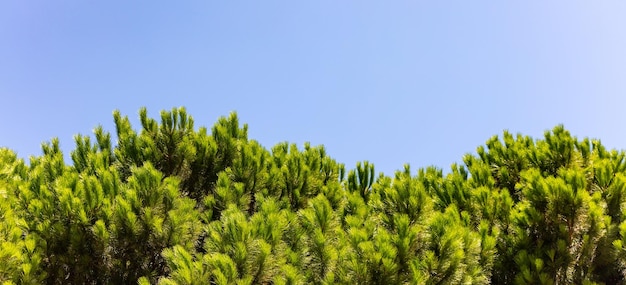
[392, 82]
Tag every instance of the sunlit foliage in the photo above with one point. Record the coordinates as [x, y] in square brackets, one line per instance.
[171, 203]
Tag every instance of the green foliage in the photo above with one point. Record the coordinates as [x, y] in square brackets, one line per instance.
[361, 179]
[172, 204]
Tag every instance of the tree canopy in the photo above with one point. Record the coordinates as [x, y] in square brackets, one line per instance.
[174, 204]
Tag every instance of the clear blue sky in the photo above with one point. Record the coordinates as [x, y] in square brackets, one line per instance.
[392, 82]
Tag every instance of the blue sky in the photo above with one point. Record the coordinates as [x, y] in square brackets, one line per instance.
[392, 82]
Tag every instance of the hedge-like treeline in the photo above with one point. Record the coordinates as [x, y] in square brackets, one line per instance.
[175, 204]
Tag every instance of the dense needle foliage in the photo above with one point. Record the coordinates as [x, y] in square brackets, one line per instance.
[176, 204]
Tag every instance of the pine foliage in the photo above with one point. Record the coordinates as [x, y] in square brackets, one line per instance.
[174, 204]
